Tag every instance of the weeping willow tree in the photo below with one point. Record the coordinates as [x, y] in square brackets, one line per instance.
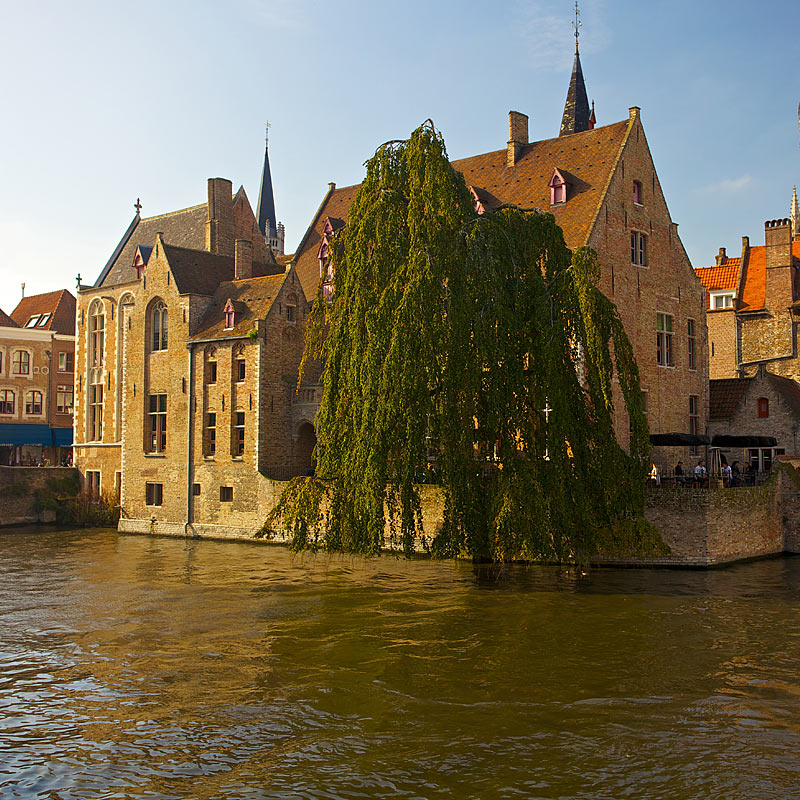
[479, 342]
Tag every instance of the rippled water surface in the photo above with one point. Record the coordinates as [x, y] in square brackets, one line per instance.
[157, 668]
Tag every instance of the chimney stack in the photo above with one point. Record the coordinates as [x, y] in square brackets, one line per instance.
[778, 241]
[219, 225]
[517, 135]
[243, 259]
[721, 256]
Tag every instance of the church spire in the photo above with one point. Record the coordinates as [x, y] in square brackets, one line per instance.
[266, 201]
[577, 116]
[794, 215]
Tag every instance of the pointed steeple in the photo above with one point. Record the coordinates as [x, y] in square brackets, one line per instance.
[266, 201]
[577, 116]
[794, 215]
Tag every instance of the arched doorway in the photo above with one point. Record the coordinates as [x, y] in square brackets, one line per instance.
[304, 446]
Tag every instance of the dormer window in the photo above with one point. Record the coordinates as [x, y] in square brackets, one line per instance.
[721, 300]
[230, 315]
[558, 189]
[637, 193]
[140, 260]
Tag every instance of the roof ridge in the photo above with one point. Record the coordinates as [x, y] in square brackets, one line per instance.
[173, 213]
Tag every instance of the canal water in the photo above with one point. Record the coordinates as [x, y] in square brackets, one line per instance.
[137, 667]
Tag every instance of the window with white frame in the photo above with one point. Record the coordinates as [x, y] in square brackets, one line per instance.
[721, 300]
[64, 398]
[97, 328]
[158, 423]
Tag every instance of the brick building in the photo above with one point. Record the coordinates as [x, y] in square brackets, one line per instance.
[601, 185]
[754, 303]
[37, 351]
[763, 405]
[188, 348]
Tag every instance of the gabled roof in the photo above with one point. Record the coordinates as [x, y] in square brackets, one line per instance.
[754, 277]
[184, 228]
[6, 321]
[788, 390]
[60, 305]
[201, 272]
[585, 159]
[252, 299]
[720, 277]
[725, 395]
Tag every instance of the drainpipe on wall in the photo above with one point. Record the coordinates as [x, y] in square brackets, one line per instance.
[189, 427]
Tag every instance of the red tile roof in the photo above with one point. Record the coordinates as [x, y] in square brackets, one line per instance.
[754, 279]
[59, 304]
[586, 159]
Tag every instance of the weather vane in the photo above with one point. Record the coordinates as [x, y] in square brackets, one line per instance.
[577, 24]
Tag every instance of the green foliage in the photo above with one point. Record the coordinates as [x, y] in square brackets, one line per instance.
[253, 334]
[481, 341]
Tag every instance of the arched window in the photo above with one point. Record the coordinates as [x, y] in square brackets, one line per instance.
[762, 404]
[239, 368]
[211, 365]
[97, 327]
[21, 363]
[158, 324]
[33, 403]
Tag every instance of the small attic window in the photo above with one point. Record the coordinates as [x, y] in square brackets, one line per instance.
[637, 192]
[230, 316]
[558, 189]
[33, 321]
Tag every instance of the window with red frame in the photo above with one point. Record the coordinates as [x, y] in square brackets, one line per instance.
[762, 404]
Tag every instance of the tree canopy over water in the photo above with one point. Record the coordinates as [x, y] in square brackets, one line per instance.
[475, 348]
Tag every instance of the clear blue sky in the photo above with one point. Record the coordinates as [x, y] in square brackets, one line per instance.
[106, 102]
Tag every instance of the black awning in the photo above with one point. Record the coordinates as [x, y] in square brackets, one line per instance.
[678, 439]
[744, 441]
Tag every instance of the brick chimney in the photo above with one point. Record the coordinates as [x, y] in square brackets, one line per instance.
[722, 256]
[780, 272]
[243, 259]
[219, 225]
[517, 135]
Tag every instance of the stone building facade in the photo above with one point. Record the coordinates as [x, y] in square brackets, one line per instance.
[601, 185]
[37, 351]
[188, 349]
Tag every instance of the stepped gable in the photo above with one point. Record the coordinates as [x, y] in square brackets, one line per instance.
[335, 206]
[201, 272]
[6, 321]
[252, 299]
[586, 160]
[185, 228]
[725, 395]
[60, 304]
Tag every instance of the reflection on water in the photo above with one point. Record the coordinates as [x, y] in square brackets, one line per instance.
[137, 667]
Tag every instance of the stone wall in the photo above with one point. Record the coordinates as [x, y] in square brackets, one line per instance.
[702, 527]
[19, 489]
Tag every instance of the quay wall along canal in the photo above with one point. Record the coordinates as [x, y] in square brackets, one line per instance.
[700, 526]
[22, 490]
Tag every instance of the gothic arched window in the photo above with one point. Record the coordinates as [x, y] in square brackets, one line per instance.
[158, 323]
[97, 327]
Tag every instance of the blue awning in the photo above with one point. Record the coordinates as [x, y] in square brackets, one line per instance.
[13, 434]
[62, 437]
